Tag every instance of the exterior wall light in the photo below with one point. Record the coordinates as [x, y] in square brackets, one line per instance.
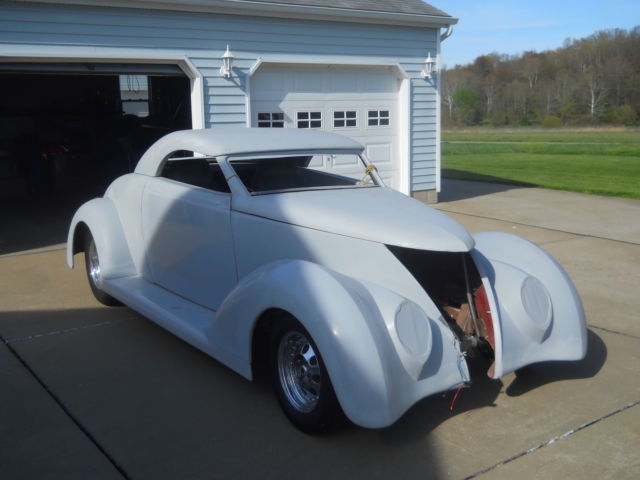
[227, 61]
[429, 67]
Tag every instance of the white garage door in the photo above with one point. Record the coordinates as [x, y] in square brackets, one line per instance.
[361, 103]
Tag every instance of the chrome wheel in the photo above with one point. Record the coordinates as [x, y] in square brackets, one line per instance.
[299, 371]
[94, 263]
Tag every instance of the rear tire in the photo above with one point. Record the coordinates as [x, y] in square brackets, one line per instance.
[300, 379]
[94, 273]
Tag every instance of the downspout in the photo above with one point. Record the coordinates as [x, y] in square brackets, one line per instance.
[440, 39]
[446, 34]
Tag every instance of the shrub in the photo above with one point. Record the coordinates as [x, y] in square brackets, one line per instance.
[624, 115]
[466, 106]
[551, 121]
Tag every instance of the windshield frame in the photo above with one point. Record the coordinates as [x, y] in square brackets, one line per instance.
[376, 181]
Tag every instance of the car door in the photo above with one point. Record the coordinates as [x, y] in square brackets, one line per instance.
[187, 232]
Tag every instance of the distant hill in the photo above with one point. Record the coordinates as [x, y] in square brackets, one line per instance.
[594, 80]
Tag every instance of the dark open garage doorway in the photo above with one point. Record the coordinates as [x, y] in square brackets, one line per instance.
[67, 130]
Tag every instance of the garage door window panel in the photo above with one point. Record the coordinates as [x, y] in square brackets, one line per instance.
[309, 119]
[271, 119]
[345, 119]
[378, 118]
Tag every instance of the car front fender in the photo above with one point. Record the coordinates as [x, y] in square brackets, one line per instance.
[375, 376]
[101, 219]
[536, 310]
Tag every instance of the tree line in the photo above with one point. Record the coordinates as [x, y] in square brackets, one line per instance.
[590, 81]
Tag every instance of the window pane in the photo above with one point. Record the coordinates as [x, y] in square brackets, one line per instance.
[384, 113]
[338, 123]
[277, 116]
[303, 115]
[263, 124]
[373, 113]
[263, 116]
[278, 125]
[304, 124]
[351, 114]
[351, 123]
[316, 124]
[315, 115]
[338, 114]
[384, 121]
[373, 121]
[134, 94]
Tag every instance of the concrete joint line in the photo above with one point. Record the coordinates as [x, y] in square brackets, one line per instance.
[552, 441]
[614, 331]
[36, 252]
[67, 412]
[583, 235]
[56, 332]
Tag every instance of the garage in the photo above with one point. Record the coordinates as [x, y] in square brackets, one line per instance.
[68, 129]
[88, 85]
[359, 102]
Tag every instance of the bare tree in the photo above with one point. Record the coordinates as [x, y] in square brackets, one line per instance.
[596, 91]
[594, 79]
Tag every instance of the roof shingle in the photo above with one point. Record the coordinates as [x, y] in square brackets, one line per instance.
[408, 7]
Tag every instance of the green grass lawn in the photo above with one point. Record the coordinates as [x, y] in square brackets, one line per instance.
[606, 163]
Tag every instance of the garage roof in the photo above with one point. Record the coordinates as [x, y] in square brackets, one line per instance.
[411, 7]
[395, 12]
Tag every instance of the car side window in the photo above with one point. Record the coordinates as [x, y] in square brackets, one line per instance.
[198, 171]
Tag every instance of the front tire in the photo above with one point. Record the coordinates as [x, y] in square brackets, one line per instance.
[300, 379]
[94, 272]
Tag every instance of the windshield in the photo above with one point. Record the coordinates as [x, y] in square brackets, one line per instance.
[271, 174]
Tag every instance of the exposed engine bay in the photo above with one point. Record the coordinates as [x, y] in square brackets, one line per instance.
[453, 282]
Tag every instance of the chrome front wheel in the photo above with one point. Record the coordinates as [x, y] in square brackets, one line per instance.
[299, 371]
[300, 379]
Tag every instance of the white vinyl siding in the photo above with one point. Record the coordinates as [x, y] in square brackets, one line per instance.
[203, 37]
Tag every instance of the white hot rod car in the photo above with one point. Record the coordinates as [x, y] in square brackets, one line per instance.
[253, 246]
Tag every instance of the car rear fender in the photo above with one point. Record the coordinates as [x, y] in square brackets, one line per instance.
[101, 218]
[537, 312]
[374, 379]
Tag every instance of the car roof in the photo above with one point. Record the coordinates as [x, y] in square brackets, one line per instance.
[222, 141]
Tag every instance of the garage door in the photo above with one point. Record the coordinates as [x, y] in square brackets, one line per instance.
[361, 103]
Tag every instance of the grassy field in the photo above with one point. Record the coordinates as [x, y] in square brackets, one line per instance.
[601, 162]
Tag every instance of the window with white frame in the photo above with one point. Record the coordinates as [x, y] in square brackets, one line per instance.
[271, 119]
[345, 118]
[378, 118]
[309, 120]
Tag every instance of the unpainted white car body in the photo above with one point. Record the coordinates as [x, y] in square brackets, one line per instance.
[206, 265]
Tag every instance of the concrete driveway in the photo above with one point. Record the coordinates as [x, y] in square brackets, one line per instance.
[88, 392]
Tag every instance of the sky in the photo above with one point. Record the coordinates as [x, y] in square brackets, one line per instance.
[514, 26]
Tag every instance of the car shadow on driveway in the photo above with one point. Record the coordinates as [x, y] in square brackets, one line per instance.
[453, 189]
[427, 414]
[535, 376]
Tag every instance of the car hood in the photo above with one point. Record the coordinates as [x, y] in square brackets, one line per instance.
[376, 214]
